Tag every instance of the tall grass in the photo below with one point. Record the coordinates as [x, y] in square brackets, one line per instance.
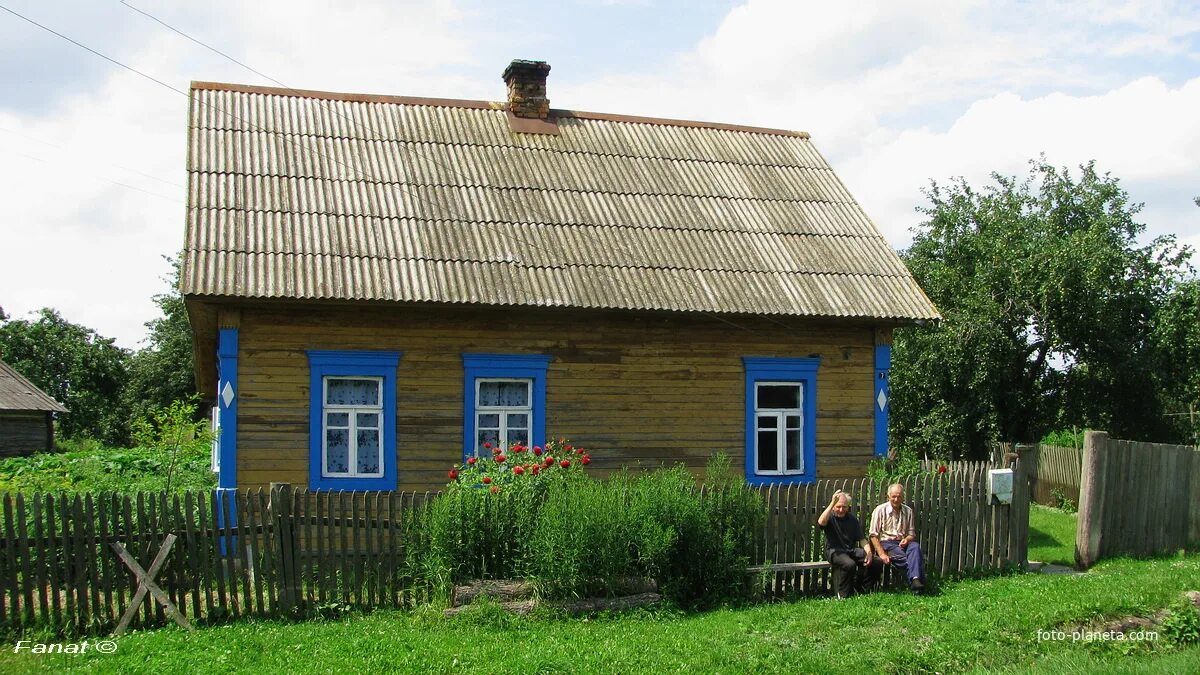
[572, 535]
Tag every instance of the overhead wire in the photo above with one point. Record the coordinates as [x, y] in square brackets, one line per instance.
[312, 150]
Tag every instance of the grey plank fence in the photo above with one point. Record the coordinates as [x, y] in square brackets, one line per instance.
[271, 553]
[1136, 499]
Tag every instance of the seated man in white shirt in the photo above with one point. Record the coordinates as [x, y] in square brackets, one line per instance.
[895, 539]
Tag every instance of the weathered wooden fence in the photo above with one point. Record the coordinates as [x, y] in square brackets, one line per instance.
[1136, 498]
[1055, 472]
[270, 553]
[960, 528]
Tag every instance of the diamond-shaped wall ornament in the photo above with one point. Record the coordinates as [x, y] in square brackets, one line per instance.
[882, 399]
[227, 394]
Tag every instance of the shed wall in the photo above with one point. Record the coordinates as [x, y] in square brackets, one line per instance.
[24, 432]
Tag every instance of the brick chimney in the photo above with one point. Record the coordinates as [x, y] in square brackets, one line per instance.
[526, 82]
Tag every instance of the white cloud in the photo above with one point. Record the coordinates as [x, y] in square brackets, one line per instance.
[893, 93]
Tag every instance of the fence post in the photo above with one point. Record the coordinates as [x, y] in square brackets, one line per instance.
[1088, 530]
[1024, 467]
[282, 519]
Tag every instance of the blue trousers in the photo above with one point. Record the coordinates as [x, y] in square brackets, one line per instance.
[907, 560]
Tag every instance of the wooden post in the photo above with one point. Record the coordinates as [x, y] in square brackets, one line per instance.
[281, 513]
[1089, 528]
[1024, 466]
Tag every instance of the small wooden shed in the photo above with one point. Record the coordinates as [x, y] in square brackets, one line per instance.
[26, 415]
[379, 285]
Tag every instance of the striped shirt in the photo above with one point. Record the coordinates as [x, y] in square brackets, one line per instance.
[888, 523]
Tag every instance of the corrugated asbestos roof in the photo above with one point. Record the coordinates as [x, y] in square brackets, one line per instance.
[18, 393]
[306, 195]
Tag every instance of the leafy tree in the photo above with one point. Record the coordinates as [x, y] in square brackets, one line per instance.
[79, 368]
[161, 373]
[1177, 336]
[1048, 303]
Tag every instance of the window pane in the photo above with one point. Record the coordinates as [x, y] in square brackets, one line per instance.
[487, 436]
[768, 451]
[518, 421]
[489, 421]
[768, 422]
[368, 451]
[518, 436]
[779, 396]
[795, 460]
[337, 451]
[370, 420]
[511, 394]
[351, 392]
[793, 421]
[337, 419]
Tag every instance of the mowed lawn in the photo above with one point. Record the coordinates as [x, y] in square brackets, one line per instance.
[988, 624]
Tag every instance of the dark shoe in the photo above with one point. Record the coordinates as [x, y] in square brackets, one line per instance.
[917, 585]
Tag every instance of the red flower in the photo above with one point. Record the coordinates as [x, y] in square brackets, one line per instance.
[536, 469]
[564, 464]
[453, 474]
[472, 460]
[495, 489]
[586, 460]
[942, 469]
[549, 460]
[487, 479]
[537, 450]
[487, 445]
[518, 470]
[567, 448]
[500, 459]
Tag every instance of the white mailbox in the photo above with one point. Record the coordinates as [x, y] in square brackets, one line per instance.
[1000, 485]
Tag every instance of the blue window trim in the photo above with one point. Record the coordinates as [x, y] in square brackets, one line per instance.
[525, 366]
[883, 364]
[227, 374]
[323, 363]
[804, 371]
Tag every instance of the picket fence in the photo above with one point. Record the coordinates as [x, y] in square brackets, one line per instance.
[283, 552]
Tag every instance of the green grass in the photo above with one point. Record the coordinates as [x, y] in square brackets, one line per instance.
[986, 624]
[1051, 535]
[88, 466]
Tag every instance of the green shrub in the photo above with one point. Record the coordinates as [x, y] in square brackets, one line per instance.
[574, 536]
[1062, 501]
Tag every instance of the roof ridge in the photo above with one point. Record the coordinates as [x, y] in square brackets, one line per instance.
[559, 113]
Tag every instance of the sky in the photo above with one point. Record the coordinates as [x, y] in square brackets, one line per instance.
[894, 94]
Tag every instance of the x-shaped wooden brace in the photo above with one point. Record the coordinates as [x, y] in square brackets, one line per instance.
[146, 583]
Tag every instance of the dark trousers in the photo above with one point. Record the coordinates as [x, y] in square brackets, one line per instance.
[906, 560]
[849, 574]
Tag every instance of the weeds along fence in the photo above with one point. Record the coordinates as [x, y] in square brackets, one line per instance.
[282, 552]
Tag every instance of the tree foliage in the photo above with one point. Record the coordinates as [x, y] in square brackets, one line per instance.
[161, 373]
[1050, 306]
[79, 368]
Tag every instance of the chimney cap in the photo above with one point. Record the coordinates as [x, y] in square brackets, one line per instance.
[525, 68]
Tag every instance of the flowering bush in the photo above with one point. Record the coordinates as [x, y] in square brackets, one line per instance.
[519, 463]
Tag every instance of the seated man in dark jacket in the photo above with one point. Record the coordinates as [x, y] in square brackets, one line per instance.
[855, 568]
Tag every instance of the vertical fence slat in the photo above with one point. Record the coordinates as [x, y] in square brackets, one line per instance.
[41, 551]
[23, 553]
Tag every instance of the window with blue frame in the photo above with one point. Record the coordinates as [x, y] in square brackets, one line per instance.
[780, 419]
[504, 401]
[352, 412]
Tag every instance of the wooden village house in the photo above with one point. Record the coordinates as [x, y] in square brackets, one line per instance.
[26, 415]
[378, 285]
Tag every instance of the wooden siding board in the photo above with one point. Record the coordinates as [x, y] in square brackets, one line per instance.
[631, 387]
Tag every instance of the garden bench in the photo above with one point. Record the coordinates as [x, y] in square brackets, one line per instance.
[789, 567]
